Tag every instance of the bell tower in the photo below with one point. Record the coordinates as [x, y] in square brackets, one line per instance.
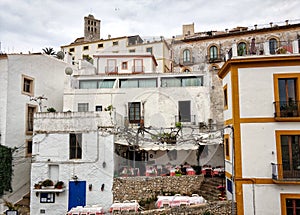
[91, 28]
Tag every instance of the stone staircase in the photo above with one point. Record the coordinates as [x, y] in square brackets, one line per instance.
[208, 188]
[24, 205]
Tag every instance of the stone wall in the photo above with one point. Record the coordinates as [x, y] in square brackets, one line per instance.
[146, 189]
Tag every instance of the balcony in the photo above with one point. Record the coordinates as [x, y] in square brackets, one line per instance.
[280, 173]
[111, 70]
[184, 62]
[138, 69]
[287, 110]
[215, 59]
[264, 49]
[186, 119]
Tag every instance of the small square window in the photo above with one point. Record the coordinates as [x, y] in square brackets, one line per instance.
[27, 85]
[99, 108]
[124, 65]
[85, 47]
[71, 50]
[149, 49]
[100, 45]
[131, 50]
[47, 198]
[83, 107]
[115, 43]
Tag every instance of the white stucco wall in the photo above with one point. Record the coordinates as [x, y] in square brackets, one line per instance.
[259, 81]
[266, 198]
[48, 75]
[51, 147]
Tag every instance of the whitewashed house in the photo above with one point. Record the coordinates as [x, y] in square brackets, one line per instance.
[262, 136]
[29, 83]
[74, 148]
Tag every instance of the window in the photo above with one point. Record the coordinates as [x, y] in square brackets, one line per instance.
[184, 111]
[242, 49]
[71, 50]
[186, 55]
[229, 185]
[213, 53]
[47, 198]
[28, 147]
[138, 83]
[96, 84]
[124, 65]
[85, 47]
[134, 112]
[115, 43]
[98, 108]
[27, 85]
[225, 94]
[111, 66]
[83, 107]
[288, 149]
[286, 88]
[182, 81]
[138, 65]
[75, 146]
[273, 45]
[131, 50]
[31, 109]
[100, 45]
[290, 204]
[226, 147]
[149, 49]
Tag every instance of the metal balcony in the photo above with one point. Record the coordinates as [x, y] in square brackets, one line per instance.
[284, 109]
[187, 119]
[111, 69]
[284, 173]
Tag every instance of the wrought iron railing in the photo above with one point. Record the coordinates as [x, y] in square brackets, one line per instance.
[287, 109]
[111, 69]
[186, 119]
[215, 59]
[138, 69]
[281, 172]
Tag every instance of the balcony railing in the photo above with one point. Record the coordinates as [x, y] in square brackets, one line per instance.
[287, 109]
[282, 173]
[111, 69]
[191, 119]
[184, 62]
[281, 47]
[215, 59]
[138, 69]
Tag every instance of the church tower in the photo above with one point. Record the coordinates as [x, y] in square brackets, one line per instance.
[91, 28]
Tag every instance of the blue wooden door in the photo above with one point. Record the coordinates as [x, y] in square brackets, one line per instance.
[77, 193]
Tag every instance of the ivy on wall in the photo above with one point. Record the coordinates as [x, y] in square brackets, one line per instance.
[5, 169]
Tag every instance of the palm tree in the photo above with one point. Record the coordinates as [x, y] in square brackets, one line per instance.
[49, 51]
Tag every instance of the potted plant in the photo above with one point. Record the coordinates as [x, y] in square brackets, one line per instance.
[38, 185]
[59, 185]
[47, 183]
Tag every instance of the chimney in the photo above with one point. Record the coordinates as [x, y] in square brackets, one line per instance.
[287, 22]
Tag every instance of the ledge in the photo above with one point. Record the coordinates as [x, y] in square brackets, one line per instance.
[50, 190]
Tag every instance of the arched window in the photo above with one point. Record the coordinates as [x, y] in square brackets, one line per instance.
[186, 70]
[241, 49]
[213, 53]
[186, 55]
[273, 45]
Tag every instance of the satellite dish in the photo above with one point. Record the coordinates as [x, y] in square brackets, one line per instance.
[68, 71]
[60, 55]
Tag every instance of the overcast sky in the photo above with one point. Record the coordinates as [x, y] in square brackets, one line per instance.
[31, 25]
